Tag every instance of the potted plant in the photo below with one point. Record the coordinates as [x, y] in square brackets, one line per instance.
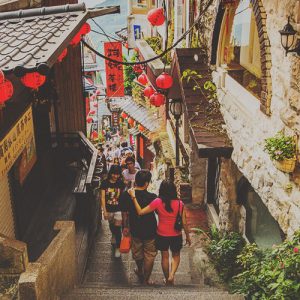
[282, 150]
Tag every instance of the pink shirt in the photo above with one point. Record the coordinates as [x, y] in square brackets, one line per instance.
[166, 220]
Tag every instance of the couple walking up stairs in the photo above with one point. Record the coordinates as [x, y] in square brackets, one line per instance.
[111, 278]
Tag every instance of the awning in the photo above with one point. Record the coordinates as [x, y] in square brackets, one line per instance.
[137, 112]
[205, 118]
[32, 39]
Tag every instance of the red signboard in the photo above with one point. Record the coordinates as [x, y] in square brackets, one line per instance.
[114, 71]
[115, 118]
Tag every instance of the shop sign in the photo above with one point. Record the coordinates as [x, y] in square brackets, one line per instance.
[137, 32]
[19, 139]
[114, 71]
[141, 147]
[115, 119]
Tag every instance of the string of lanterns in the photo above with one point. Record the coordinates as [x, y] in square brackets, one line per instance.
[132, 122]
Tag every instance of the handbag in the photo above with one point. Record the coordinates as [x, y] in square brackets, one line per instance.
[178, 222]
[125, 244]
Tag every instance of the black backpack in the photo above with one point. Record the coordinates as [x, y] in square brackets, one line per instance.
[178, 222]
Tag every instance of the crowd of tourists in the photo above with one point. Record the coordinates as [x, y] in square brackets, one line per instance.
[153, 222]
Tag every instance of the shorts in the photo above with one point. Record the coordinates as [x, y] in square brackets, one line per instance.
[143, 249]
[164, 243]
[115, 218]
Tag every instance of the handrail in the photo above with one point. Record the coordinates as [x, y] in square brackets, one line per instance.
[93, 159]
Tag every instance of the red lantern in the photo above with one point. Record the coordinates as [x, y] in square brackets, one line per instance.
[138, 69]
[6, 91]
[85, 29]
[89, 120]
[130, 121]
[95, 104]
[156, 16]
[33, 80]
[157, 99]
[124, 115]
[164, 81]
[94, 135]
[98, 92]
[62, 55]
[92, 112]
[149, 91]
[1, 76]
[142, 79]
[76, 39]
[141, 128]
[126, 45]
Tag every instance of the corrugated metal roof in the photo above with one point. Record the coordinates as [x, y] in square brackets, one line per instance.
[33, 39]
[137, 112]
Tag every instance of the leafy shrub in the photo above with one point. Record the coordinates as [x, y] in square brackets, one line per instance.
[223, 250]
[280, 146]
[270, 274]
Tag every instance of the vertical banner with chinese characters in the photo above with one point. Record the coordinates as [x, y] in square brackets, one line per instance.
[114, 71]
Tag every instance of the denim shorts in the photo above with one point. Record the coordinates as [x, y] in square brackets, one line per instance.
[164, 243]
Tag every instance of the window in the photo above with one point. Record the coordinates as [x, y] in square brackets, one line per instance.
[260, 228]
[239, 48]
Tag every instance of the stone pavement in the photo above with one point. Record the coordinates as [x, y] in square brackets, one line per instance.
[109, 278]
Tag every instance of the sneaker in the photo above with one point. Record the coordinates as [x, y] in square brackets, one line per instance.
[113, 240]
[117, 253]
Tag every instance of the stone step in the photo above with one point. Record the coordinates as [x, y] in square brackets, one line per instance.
[157, 293]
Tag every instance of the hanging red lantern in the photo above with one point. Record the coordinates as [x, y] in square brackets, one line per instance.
[95, 104]
[89, 120]
[6, 91]
[85, 29]
[138, 69]
[98, 92]
[124, 115]
[63, 55]
[157, 99]
[156, 16]
[141, 128]
[126, 45]
[76, 40]
[94, 135]
[92, 112]
[164, 81]
[142, 79]
[33, 80]
[131, 121]
[149, 91]
[1, 76]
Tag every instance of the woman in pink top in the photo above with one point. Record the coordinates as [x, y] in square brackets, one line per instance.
[167, 207]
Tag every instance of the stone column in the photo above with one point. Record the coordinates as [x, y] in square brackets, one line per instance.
[198, 171]
[229, 210]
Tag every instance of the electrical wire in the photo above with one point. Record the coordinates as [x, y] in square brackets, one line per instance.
[158, 56]
[105, 35]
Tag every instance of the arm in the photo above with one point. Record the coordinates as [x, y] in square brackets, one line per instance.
[103, 204]
[140, 211]
[185, 228]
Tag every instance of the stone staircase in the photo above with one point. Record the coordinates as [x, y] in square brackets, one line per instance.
[110, 278]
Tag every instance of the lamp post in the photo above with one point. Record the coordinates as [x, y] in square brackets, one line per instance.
[288, 35]
[176, 110]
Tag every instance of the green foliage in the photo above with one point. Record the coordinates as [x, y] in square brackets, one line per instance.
[270, 274]
[129, 75]
[280, 146]
[223, 250]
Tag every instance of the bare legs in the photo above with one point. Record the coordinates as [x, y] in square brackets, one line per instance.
[169, 275]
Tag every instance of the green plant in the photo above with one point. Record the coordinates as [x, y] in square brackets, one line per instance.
[129, 75]
[270, 274]
[280, 147]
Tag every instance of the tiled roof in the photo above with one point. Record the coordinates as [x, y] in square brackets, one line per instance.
[137, 112]
[205, 120]
[33, 39]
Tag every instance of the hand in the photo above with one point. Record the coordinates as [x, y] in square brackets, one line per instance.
[131, 193]
[105, 215]
[188, 241]
[126, 231]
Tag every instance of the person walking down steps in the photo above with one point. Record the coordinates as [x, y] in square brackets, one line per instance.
[111, 189]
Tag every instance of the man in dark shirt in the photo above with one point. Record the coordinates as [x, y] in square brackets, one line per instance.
[142, 228]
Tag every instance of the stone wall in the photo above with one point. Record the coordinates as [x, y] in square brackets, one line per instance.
[54, 273]
[247, 126]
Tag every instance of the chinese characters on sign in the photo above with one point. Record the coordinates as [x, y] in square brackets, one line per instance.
[115, 118]
[19, 138]
[114, 71]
